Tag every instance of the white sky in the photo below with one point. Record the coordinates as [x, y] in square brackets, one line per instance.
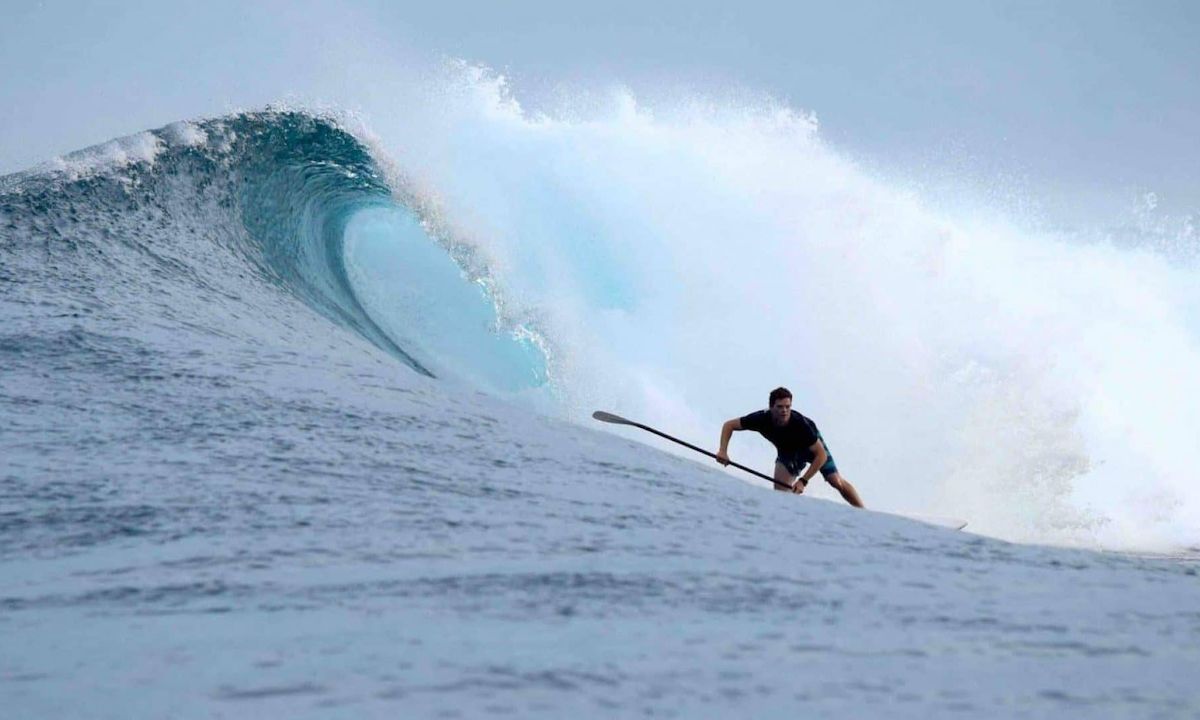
[1091, 102]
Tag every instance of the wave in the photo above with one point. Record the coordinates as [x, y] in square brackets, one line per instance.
[671, 264]
[235, 208]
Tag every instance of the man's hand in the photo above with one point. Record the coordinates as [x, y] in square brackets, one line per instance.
[727, 432]
[798, 486]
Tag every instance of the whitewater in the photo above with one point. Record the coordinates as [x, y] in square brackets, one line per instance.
[294, 421]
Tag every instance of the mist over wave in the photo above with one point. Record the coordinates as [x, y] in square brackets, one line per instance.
[682, 259]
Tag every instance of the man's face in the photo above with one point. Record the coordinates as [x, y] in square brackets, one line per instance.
[781, 411]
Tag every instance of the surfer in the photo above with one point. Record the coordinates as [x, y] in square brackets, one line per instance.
[798, 442]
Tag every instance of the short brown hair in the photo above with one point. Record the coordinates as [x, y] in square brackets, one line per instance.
[779, 393]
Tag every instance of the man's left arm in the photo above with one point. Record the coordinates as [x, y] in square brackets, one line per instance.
[819, 456]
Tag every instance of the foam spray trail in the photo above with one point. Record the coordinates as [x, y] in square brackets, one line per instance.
[686, 259]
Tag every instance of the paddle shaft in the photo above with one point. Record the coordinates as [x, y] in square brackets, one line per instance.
[649, 429]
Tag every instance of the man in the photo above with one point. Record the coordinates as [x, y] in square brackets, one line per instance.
[798, 442]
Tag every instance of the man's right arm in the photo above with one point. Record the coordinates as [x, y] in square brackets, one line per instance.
[727, 432]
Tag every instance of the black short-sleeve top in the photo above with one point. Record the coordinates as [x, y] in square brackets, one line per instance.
[797, 436]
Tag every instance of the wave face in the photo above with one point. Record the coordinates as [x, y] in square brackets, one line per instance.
[188, 222]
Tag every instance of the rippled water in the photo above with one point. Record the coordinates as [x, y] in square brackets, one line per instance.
[322, 535]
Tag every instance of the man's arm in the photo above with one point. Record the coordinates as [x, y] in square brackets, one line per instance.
[820, 455]
[727, 432]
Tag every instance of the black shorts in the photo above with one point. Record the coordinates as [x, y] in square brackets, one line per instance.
[795, 462]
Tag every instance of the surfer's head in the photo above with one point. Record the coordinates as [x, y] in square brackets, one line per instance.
[781, 405]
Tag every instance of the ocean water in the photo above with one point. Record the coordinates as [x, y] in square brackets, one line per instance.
[293, 422]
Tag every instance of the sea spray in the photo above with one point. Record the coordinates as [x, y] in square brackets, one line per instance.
[684, 258]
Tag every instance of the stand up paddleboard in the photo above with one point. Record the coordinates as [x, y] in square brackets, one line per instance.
[946, 522]
[951, 523]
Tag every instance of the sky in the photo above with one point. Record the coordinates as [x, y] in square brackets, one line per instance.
[1086, 105]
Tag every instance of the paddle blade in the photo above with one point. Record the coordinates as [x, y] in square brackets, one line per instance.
[610, 418]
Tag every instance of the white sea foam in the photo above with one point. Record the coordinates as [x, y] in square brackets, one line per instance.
[117, 153]
[185, 134]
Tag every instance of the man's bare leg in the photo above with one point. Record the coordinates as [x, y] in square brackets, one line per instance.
[786, 478]
[842, 485]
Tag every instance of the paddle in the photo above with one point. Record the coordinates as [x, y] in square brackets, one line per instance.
[618, 420]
